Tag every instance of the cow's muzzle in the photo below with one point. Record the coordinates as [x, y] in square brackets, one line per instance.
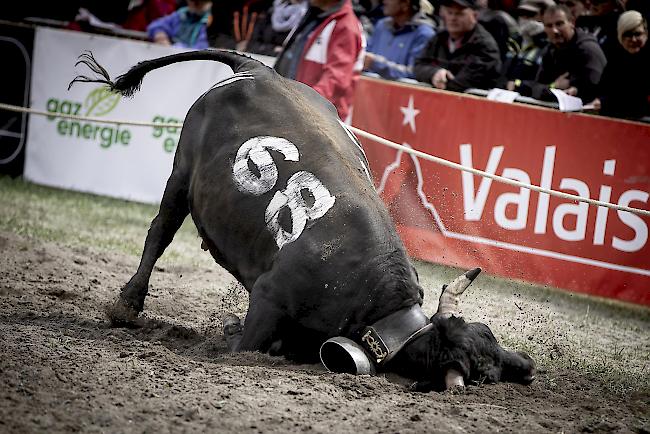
[343, 355]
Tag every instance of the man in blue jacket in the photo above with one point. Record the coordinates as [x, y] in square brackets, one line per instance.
[397, 40]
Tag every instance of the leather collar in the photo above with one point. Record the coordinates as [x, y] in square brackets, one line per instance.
[386, 337]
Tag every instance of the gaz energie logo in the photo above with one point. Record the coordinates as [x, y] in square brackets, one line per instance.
[99, 102]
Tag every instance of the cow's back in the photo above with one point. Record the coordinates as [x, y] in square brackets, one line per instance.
[345, 257]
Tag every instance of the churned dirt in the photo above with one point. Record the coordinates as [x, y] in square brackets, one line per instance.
[64, 369]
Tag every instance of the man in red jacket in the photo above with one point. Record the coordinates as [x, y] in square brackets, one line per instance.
[325, 51]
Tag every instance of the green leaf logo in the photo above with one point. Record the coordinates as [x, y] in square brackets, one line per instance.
[100, 101]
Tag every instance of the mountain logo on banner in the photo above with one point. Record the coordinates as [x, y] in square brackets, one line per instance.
[402, 205]
[404, 175]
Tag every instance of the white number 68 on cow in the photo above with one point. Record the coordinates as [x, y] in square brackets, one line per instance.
[256, 150]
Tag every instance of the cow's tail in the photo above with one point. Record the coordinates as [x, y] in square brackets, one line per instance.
[129, 83]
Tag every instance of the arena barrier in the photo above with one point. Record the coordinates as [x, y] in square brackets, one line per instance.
[16, 48]
[103, 158]
[444, 215]
[455, 218]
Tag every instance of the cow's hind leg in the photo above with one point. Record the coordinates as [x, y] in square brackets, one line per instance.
[173, 210]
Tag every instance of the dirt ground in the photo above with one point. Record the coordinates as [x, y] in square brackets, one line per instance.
[64, 369]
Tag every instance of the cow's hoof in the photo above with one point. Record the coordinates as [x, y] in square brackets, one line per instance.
[231, 325]
[121, 314]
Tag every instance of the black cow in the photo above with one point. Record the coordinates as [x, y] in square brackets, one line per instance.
[280, 192]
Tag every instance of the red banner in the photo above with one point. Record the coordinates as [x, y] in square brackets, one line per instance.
[452, 217]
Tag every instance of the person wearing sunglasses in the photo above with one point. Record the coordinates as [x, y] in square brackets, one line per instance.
[625, 85]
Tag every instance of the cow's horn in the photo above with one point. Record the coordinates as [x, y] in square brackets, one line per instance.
[453, 378]
[343, 355]
[449, 298]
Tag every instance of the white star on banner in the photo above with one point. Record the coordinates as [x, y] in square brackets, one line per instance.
[409, 113]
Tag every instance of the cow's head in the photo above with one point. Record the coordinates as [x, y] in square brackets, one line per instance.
[453, 351]
[449, 352]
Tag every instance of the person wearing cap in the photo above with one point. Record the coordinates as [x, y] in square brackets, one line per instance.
[625, 85]
[462, 56]
[397, 40]
[572, 62]
[325, 52]
[526, 49]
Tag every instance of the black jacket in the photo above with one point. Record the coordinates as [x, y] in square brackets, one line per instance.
[604, 29]
[475, 64]
[581, 57]
[625, 85]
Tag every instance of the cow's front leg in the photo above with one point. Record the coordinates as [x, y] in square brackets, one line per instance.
[261, 330]
[232, 331]
[173, 210]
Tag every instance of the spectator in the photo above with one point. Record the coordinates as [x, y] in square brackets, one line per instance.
[325, 52]
[266, 33]
[187, 27]
[287, 14]
[601, 22]
[641, 6]
[526, 50]
[462, 56]
[497, 22]
[374, 12]
[540, 5]
[577, 8]
[625, 86]
[397, 40]
[143, 12]
[253, 30]
[573, 61]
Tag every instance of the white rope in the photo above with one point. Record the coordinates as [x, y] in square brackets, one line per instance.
[14, 108]
[498, 178]
[367, 135]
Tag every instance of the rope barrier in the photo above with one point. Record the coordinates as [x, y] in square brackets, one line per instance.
[498, 178]
[19, 109]
[369, 136]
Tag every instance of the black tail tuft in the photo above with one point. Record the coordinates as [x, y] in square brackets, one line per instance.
[126, 84]
[129, 83]
[102, 76]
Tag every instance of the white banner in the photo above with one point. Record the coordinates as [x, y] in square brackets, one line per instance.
[128, 162]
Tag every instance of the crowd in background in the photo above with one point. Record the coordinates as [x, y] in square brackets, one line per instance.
[593, 49]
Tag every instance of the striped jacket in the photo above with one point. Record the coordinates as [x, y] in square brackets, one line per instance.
[331, 58]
